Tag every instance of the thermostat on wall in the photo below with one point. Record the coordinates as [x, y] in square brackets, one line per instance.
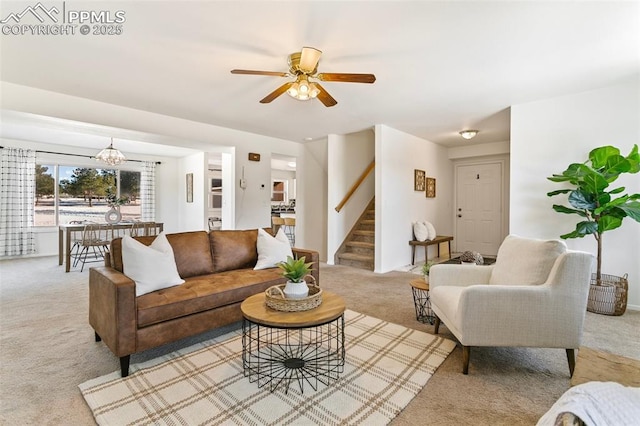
[254, 157]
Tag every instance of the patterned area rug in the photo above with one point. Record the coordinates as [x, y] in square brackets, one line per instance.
[386, 366]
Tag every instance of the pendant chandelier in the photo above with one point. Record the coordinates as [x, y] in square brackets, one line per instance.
[111, 156]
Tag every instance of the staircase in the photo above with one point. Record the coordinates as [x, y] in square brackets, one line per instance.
[358, 248]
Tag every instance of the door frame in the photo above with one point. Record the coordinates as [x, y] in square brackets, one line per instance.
[503, 160]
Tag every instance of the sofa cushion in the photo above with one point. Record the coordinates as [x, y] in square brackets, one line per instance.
[420, 231]
[151, 267]
[205, 292]
[233, 249]
[525, 261]
[190, 249]
[272, 250]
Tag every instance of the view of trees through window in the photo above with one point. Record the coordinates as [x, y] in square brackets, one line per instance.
[82, 194]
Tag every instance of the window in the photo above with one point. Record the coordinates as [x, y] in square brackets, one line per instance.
[279, 190]
[81, 193]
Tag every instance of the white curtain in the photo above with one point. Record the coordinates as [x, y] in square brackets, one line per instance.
[17, 196]
[148, 191]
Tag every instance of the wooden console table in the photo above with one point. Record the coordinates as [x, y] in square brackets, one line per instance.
[65, 231]
[437, 240]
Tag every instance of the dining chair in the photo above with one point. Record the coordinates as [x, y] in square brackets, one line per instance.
[95, 238]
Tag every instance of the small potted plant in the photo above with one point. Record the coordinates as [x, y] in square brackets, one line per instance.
[426, 268]
[601, 209]
[294, 270]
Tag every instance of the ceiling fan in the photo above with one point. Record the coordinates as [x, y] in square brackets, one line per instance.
[303, 66]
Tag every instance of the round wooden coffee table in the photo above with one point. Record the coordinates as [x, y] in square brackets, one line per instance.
[284, 347]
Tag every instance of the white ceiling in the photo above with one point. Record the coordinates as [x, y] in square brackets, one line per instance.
[441, 66]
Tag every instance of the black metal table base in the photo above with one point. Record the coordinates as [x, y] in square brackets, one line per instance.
[274, 356]
[421, 300]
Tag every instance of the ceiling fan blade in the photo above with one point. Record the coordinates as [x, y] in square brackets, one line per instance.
[346, 78]
[309, 58]
[252, 72]
[325, 97]
[279, 91]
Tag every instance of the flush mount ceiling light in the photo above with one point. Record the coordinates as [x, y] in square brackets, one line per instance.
[469, 134]
[111, 156]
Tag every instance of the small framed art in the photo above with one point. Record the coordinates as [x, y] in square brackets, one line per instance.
[418, 180]
[189, 187]
[431, 187]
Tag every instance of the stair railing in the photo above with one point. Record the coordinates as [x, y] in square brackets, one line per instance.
[355, 186]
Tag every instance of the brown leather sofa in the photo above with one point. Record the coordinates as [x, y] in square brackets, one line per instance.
[218, 271]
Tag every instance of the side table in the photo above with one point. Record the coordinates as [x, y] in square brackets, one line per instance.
[420, 289]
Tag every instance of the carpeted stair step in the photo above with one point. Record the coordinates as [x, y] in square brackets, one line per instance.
[356, 260]
[366, 236]
[367, 225]
[361, 247]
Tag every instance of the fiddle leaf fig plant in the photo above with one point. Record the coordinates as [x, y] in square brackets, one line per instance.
[601, 207]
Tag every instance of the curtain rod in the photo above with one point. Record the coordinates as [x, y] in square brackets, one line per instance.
[81, 155]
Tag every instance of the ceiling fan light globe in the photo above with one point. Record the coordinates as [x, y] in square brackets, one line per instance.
[303, 87]
[313, 91]
[293, 90]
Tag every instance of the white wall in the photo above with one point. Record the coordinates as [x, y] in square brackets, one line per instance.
[397, 204]
[193, 216]
[348, 157]
[312, 200]
[548, 135]
[252, 205]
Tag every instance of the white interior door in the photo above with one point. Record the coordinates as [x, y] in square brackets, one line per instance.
[479, 206]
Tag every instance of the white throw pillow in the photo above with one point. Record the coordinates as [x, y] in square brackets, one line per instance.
[525, 261]
[151, 267]
[420, 231]
[272, 251]
[431, 230]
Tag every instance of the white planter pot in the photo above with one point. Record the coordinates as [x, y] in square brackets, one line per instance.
[296, 290]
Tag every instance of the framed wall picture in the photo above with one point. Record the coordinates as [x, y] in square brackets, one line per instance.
[418, 180]
[431, 187]
[189, 187]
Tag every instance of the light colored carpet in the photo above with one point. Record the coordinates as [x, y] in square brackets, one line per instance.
[47, 349]
[386, 366]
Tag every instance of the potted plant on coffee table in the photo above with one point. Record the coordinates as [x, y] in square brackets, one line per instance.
[294, 270]
[602, 208]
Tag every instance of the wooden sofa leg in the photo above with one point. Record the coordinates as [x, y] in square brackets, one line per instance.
[98, 338]
[466, 352]
[124, 365]
[571, 357]
[436, 325]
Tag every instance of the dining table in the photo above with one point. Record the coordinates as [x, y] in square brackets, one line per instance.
[65, 231]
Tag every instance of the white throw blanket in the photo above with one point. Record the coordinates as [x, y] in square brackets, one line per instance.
[597, 404]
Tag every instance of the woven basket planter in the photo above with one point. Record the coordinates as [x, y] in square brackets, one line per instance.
[609, 298]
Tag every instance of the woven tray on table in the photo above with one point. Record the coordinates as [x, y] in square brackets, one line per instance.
[275, 299]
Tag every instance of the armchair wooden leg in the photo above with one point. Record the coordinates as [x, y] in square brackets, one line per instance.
[124, 365]
[436, 326]
[466, 352]
[571, 357]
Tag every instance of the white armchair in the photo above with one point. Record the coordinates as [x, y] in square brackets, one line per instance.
[535, 295]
